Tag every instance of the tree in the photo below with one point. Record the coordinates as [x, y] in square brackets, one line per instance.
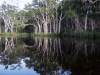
[7, 15]
[42, 13]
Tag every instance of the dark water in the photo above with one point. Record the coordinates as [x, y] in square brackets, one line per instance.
[49, 56]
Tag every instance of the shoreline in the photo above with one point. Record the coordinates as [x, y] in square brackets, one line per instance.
[78, 34]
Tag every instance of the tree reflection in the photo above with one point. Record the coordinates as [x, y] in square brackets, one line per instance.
[7, 55]
[82, 58]
[54, 56]
[42, 59]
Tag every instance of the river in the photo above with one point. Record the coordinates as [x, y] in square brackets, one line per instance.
[49, 56]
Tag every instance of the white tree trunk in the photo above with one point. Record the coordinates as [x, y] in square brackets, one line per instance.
[59, 27]
[12, 27]
[54, 26]
[39, 28]
[60, 23]
[50, 27]
[11, 30]
[45, 28]
[56, 21]
[86, 20]
[5, 24]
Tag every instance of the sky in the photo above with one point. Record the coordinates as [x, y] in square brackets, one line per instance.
[19, 3]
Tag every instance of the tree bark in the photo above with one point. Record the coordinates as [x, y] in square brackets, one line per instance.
[60, 23]
[39, 28]
[56, 21]
[54, 26]
[12, 27]
[45, 28]
[50, 27]
[92, 25]
[86, 18]
[35, 30]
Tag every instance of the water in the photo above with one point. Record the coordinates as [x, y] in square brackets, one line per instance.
[49, 56]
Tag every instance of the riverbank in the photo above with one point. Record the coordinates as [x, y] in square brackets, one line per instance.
[14, 34]
[69, 33]
[82, 34]
[72, 33]
[48, 34]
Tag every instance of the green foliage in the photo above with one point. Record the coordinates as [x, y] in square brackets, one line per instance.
[71, 13]
[42, 8]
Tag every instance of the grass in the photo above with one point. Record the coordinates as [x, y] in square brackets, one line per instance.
[7, 34]
[42, 34]
[14, 34]
[82, 34]
[69, 33]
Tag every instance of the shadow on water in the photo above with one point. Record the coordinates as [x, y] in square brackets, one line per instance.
[47, 56]
[29, 41]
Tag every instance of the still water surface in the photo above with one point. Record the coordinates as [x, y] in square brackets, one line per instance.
[49, 56]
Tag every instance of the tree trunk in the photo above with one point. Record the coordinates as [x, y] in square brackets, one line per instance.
[11, 30]
[16, 29]
[5, 26]
[45, 28]
[56, 21]
[59, 27]
[5, 29]
[60, 23]
[77, 23]
[35, 30]
[50, 27]
[86, 20]
[12, 27]
[0, 28]
[39, 28]
[92, 25]
[54, 26]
